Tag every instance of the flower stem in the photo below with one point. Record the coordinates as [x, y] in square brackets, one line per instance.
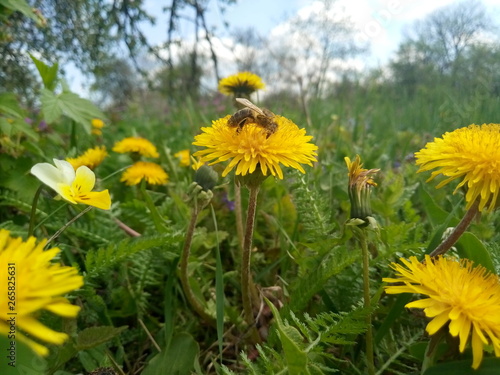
[33, 210]
[367, 302]
[63, 228]
[458, 231]
[184, 276]
[247, 285]
[238, 214]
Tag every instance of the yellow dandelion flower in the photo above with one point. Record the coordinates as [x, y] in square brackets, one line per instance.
[184, 158]
[90, 158]
[33, 283]
[151, 172]
[360, 184]
[471, 153]
[136, 145]
[253, 147]
[97, 125]
[241, 84]
[466, 297]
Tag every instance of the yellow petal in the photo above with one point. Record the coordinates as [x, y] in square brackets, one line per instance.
[99, 199]
[37, 329]
[436, 323]
[84, 180]
[477, 349]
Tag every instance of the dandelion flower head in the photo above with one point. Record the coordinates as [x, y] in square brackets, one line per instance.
[184, 158]
[90, 158]
[252, 147]
[241, 84]
[73, 186]
[466, 297]
[136, 145]
[141, 170]
[471, 153]
[39, 285]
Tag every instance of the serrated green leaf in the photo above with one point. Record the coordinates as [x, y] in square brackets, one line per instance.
[80, 110]
[489, 366]
[47, 73]
[97, 261]
[470, 247]
[178, 359]
[291, 340]
[331, 264]
[94, 336]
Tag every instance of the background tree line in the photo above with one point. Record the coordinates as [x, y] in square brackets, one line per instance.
[447, 63]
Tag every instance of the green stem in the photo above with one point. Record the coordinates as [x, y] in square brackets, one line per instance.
[247, 285]
[65, 204]
[63, 228]
[367, 302]
[157, 219]
[33, 210]
[238, 214]
[458, 231]
[184, 276]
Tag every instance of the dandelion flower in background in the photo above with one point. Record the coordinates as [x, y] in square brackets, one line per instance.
[184, 158]
[90, 158]
[252, 148]
[137, 145]
[360, 184]
[151, 172]
[471, 153]
[40, 284]
[241, 84]
[73, 186]
[97, 125]
[466, 297]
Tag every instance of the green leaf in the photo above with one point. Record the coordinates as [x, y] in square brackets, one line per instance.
[434, 212]
[291, 340]
[99, 260]
[489, 366]
[311, 283]
[47, 73]
[20, 6]
[95, 336]
[10, 106]
[80, 110]
[178, 359]
[470, 247]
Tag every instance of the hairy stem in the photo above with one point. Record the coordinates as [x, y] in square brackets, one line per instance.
[458, 231]
[238, 215]
[247, 285]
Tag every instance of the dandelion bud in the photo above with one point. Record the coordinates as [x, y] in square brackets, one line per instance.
[360, 184]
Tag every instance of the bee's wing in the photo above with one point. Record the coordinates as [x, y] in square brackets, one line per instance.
[247, 103]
